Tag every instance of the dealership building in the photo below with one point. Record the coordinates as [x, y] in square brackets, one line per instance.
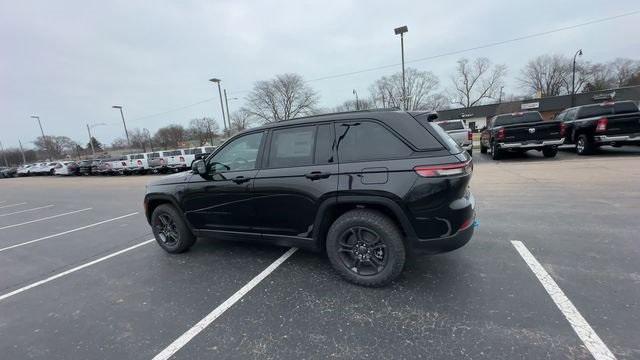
[476, 116]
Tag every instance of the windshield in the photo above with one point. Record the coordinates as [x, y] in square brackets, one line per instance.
[517, 118]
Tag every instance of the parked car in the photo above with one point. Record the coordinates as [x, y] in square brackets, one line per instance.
[7, 172]
[66, 168]
[168, 160]
[43, 168]
[459, 132]
[84, 167]
[24, 170]
[520, 132]
[95, 166]
[325, 183]
[609, 123]
[138, 163]
[113, 166]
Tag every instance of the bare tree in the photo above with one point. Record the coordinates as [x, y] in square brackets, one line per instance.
[240, 120]
[598, 77]
[170, 136]
[204, 129]
[139, 139]
[548, 75]
[625, 71]
[282, 98]
[119, 144]
[350, 105]
[476, 81]
[57, 146]
[386, 92]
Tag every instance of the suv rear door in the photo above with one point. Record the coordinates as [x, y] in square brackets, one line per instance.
[299, 172]
[372, 160]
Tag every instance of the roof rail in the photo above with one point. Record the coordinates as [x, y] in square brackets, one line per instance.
[345, 112]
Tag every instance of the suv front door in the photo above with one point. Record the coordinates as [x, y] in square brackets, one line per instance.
[300, 172]
[221, 201]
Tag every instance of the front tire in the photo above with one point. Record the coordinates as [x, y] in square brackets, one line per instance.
[549, 152]
[366, 248]
[170, 230]
[483, 149]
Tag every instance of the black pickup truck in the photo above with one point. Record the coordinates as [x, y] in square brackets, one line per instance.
[521, 131]
[609, 123]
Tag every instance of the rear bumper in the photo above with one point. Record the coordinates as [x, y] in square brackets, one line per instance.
[617, 138]
[520, 145]
[450, 242]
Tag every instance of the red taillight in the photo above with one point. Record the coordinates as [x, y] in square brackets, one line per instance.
[563, 129]
[602, 124]
[500, 134]
[469, 135]
[465, 168]
[139, 162]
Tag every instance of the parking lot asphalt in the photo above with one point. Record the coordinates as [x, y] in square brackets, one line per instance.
[576, 215]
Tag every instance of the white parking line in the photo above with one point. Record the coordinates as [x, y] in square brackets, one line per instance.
[65, 232]
[596, 346]
[70, 271]
[45, 218]
[202, 324]
[12, 205]
[23, 211]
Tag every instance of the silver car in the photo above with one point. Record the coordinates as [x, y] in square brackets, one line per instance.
[459, 132]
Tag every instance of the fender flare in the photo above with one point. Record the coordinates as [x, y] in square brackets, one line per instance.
[165, 198]
[393, 206]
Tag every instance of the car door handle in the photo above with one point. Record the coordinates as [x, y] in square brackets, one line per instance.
[240, 179]
[315, 175]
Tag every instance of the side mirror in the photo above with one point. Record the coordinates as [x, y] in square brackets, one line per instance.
[199, 167]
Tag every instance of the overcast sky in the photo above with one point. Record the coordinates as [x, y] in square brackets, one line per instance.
[70, 61]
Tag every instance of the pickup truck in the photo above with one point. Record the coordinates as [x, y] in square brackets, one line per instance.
[459, 132]
[520, 132]
[609, 123]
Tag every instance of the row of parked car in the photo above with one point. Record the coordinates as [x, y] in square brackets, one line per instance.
[140, 163]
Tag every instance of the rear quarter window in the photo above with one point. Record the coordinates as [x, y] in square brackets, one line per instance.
[594, 110]
[366, 140]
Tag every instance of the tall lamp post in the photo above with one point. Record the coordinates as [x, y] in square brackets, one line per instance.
[401, 31]
[89, 127]
[573, 78]
[44, 138]
[123, 123]
[224, 120]
[357, 101]
[4, 155]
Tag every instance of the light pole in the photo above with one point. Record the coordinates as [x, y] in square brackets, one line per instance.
[44, 138]
[573, 77]
[357, 102]
[24, 159]
[93, 150]
[400, 31]
[123, 123]
[217, 81]
[500, 98]
[226, 102]
[146, 131]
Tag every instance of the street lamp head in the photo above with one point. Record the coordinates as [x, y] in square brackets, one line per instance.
[401, 30]
[580, 52]
[117, 107]
[215, 80]
[35, 117]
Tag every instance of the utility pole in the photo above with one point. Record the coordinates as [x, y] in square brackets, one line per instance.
[401, 31]
[146, 131]
[24, 159]
[573, 78]
[227, 103]
[93, 150]
[123, 123]
[4, 155]
[224, 120]
[500, 98]
[357, 101]
[44, 138]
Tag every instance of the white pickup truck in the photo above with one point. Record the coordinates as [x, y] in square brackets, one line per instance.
[459, 132]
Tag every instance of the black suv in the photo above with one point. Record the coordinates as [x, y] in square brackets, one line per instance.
[366, 187]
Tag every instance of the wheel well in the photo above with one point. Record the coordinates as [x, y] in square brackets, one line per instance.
[334, 212]
[152, 204]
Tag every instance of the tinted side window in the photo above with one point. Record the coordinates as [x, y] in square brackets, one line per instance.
[324, 144]
[361, 141]
[292, 147]
[624, 107]
[594, 110]
[240, 154]
[560, 117]
[571, 114]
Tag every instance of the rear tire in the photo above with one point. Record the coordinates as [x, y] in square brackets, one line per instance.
[495, 152]
[483, 149]
[584, 146]
[366, 248]
[549, 152]
[170, 230]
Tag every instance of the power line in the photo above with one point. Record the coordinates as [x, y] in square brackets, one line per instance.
[484, 46]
